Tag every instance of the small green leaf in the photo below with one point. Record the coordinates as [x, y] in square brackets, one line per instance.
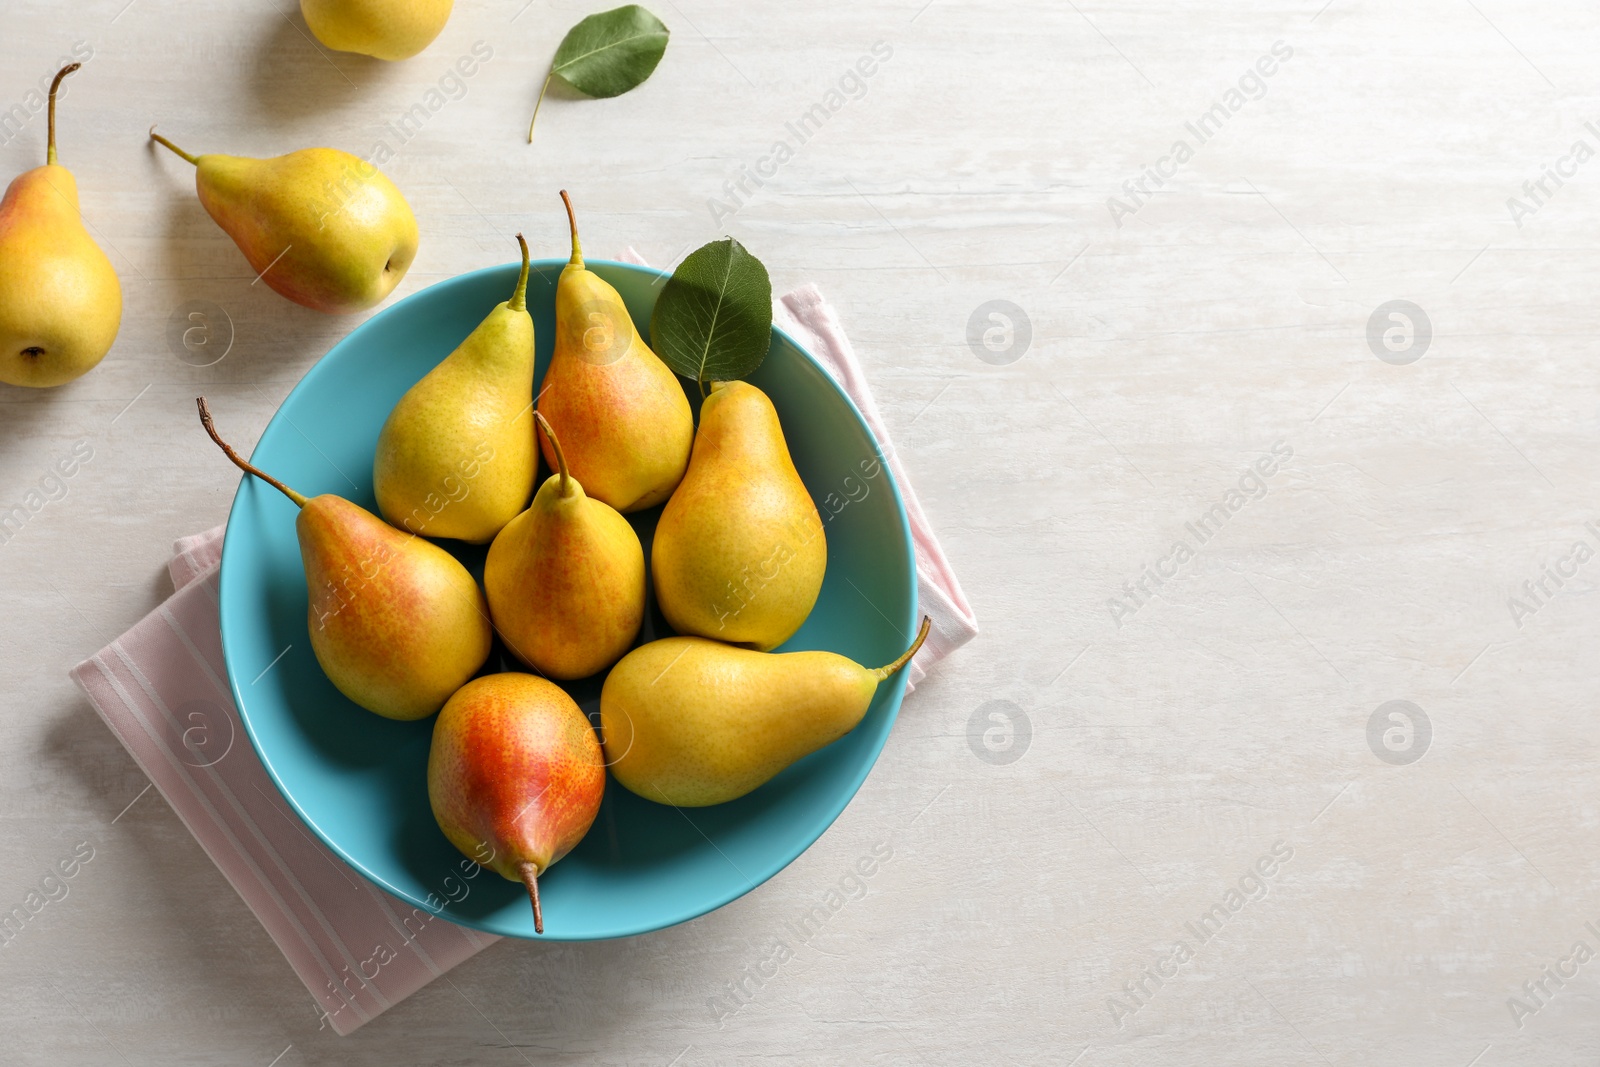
[607, 54]
[713, 320]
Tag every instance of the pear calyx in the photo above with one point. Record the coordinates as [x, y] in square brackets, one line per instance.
[519, 295]
[158, 139]
[555, 446]
[240, 462]
[50, 143]
[572, 221]
[530, 878]
[884, 672]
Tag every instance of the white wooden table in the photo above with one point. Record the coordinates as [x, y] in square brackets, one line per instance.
[1177, 733]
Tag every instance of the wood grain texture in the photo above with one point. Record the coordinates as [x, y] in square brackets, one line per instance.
[1009, 901]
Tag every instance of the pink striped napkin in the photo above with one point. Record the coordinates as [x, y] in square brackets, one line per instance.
[162, 689]
[810, 320]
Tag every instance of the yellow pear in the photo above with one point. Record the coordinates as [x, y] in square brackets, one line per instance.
[387, 29]
[60, 301]
[396, 623]
[621, 413]
[691, 722]
[456, 455]
[320, 226]
[739, 552]
[565, 579]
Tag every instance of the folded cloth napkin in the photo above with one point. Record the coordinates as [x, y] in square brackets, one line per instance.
[162, 689]
[810, 320]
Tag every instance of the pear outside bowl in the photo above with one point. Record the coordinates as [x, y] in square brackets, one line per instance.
[360, 781]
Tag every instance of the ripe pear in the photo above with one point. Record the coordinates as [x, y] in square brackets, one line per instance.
[60, 301]
[739, 552]
[397, 623]
[387, 29]
[621, 413]
[322, 227]
[456, 455]
[691, 722]
[566, 579]
[515, 776]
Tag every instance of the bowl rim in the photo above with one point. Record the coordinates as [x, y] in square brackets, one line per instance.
[825, 817]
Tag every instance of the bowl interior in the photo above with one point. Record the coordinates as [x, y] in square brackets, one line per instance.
[359, 781]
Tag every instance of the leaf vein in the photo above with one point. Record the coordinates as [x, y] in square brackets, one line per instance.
[560, 68]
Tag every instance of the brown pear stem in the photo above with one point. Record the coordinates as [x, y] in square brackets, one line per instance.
[922, 635]
[519, 296]
[158, 139]
[530, 878]
[50, 143]
[555, 446]
[572, 221]
[240, 462]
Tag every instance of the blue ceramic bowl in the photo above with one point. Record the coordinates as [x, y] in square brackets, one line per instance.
[359, 781]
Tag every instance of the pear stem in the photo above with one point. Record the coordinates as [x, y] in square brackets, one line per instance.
[572, 221]
[555, 446]
[922, 635]
[158, 139]
[530, 878]
[536, 104]
[519, 296]
[50, 143]
[241, 463]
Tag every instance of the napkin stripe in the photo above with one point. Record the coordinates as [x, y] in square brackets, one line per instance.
[389, 917]
[192, 556]
[394, 922]
[333, 942]
[232, 799]
[322, 920]
[399, 928]
[808, 315]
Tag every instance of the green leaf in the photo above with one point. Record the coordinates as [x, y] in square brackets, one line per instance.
[713, 320]
[607, 54]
